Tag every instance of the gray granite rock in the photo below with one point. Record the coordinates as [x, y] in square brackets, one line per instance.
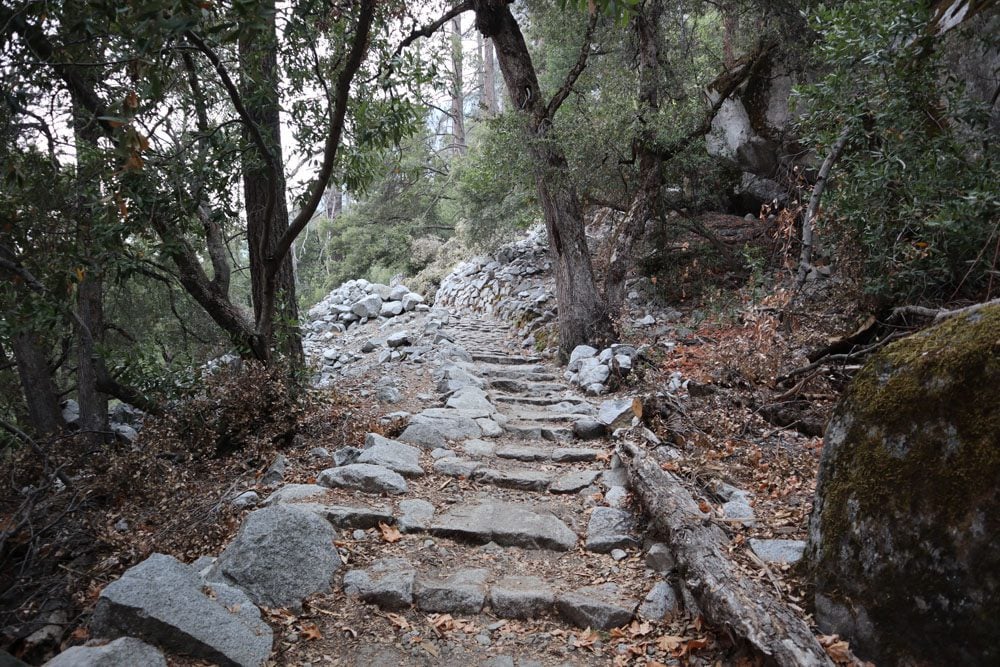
[610, 528]
[123, 652]
[349, 516]
[387, 583]
[518, 478]
[506, 524]
[599, 607]
[616, 413]
[463, 592]
[369, 306]
[479, 448]
[415, 515]
[574, 454]
[436, 429]
[579, 353]
[572, 482]
[391, 454]
[456, 467]
[291, 493]
[778, 551]
[660, 603]
[521, 597]
[522, 453]
[660, 558]
[398, 339]
[164, 602]
[617, 497]
[363, 477]
[470, 398]
[280, 555]
[276, 471]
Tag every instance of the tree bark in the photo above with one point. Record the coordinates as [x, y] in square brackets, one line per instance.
[264, 189]
[582, 314]
[726, 596]
[645, 201]
[40, 393]
[457, 89]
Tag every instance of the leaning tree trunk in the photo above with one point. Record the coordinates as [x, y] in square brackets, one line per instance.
[582, 314]
[264, 188]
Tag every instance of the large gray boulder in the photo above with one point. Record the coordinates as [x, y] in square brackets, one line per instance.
[281, 554]
[903, 542]
[122, 652]
[163, 601]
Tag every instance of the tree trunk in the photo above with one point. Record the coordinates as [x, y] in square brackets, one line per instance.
[582, 314]
[812, 211]
[645, 201]
[457, 92]
[90, 290]
[726, 596]
[40, 393]
[264, 189]
[490, 100]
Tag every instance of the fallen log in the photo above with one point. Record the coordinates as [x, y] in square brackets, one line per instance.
[745, 607]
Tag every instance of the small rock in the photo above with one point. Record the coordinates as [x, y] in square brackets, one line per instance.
[522, 597]
[588, 429]
[346, 456]
[610, 528]
[660, 559]
[599, 607]
[276, 471]
[359, 534]
[398, 339]
[618, 413]
[246, 499]
[660, 603]
[778, 551]
[619, 554]
[574, 481]
[387, 583]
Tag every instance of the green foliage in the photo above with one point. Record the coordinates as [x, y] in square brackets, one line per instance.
[495, 187]
[915, 193]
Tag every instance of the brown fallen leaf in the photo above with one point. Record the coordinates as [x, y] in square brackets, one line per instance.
[586, 639]
[390, 533]
[311, 631]
[670, 642]
[398, 621]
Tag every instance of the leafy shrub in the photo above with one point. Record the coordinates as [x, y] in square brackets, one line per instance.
[915, 193]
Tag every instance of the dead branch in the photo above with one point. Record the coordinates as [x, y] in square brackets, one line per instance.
[808, 222]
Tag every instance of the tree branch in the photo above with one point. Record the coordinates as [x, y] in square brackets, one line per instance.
[431, 28]
[574, 73]
[342, 91]
[241, 111]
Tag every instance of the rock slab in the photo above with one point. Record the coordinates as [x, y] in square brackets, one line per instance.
[164, 602]
[123, 652]
[507, 524]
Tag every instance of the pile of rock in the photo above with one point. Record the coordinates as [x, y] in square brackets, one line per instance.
[514, 284]
[599, 371]
[358, 301]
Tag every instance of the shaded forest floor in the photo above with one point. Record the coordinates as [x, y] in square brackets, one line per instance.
[732, 338]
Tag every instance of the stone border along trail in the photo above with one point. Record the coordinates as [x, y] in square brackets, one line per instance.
[510, 530]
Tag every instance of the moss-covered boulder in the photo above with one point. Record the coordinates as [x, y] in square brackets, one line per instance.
[904, 544]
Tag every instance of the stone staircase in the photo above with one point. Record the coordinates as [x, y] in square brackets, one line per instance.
[539, 525]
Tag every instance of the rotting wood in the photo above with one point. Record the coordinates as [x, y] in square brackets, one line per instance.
[748, 609]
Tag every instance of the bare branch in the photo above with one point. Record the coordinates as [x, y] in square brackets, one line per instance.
[431, 28]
